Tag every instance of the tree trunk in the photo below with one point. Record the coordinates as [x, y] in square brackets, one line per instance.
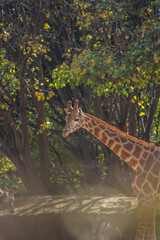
[153, 109]
[43, 140]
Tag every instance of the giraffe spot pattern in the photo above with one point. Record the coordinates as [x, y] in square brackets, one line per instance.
[117, 139]
[145, 155]
[91, 130]
[139, 169]
[123, 140]
[148, 163]
[153, 181]
[93, 123]
[156, 169]
[110, 133]
[86, 125]
[132, 162]
[128, 146]
[104, 138]
[125, 154]
[89, 125]
[142, 162]
[116, 148]
[137, 151]
[156, 154]
[96, 131]
[110, 143]
[146, 188]
[141, 179]
[102, 127]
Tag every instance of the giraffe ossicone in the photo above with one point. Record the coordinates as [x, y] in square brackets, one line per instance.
[142, 157]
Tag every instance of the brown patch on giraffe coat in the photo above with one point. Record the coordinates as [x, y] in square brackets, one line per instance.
[139, 169]
[93, 122]
[116, 148]
[145, 155]
[110, 133]
[132, 162]
[110, 143]
[156, 169]
[117, 139]
[142, 162]
[91, 130]
[123, 140]
[146, 188]
[150, 177]
[156, 154]
[104, 137]
[86, 125]
[102, 127]
[141, 179]
[124, 154]
[89, 125]
[148, 164]
[137, 151]
[153, 181]
[96, 131]
[128, 146]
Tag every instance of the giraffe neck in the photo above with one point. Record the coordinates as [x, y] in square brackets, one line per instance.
[130, 149]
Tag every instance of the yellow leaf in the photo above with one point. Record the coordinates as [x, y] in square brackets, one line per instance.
[141, 114]
[48, 15]
[39, 98]
[134, 79]
[138, 68]
[156, 58]
[109, 60]
[42, 97]
[46, 26]
[140, 86]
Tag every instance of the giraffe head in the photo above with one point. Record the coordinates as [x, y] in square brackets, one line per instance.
[74, 118]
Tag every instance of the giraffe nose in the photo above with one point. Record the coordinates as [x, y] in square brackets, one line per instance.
[64, 133]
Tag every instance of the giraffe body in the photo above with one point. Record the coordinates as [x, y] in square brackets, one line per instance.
[142, 157]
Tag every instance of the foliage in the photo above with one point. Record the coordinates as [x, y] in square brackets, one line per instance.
[122, 48]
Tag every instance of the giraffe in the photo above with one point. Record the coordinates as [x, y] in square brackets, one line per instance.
[142, 157]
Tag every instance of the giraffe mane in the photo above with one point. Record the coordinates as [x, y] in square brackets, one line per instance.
[123, 133]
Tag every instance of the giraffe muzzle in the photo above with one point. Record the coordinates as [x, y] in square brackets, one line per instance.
[65, 133]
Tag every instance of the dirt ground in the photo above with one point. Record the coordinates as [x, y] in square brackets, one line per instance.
[65, 217]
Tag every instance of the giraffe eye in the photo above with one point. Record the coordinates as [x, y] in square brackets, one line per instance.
[76, 119]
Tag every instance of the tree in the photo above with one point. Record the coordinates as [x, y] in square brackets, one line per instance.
[104, 53]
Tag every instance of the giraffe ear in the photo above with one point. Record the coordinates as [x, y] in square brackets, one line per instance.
[80, 111]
